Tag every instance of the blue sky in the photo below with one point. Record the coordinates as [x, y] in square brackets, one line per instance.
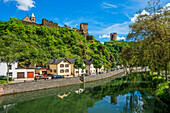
[103, 16]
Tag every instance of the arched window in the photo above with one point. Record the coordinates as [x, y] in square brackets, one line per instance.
[67, 70]
[61, 65]
[62, 71]
[66, 65]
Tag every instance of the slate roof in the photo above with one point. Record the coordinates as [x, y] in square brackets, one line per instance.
[88, 62]
[55, 61]
[71, 60]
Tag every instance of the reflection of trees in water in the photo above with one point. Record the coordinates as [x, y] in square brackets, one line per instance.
[79, 103]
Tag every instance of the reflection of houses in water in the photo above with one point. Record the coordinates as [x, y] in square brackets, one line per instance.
[79, 91]
[6, 108]
[64, 95]
[113, 100]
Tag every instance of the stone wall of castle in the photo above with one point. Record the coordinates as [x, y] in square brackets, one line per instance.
[31, 23]
[84, 27]
[49, 23]
[113, 36]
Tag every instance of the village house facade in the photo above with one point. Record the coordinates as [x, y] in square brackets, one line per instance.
[59, 67]
[65, 67]
[15, 72]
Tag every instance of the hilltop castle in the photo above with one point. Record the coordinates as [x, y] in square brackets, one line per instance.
[83, 26]
[113, 36]
[31, 21]
[84, 31]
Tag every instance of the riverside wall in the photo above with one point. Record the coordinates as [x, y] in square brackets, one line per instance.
[46, 84]
[99, 77]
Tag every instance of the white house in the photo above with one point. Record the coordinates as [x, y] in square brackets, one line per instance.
[3, 68]
[59, 67]
[80, 71]
[16, 72]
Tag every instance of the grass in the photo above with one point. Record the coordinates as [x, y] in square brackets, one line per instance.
[4, 81]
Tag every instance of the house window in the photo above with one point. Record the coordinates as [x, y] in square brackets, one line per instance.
[10, 67]
[67, 70]
[64, 61]
[62, 71]
[77, 71]
[55, 70]
[48, 66]
[67, 65]
[82, 71]
[61, 65]
[10, 74]
[51, 70]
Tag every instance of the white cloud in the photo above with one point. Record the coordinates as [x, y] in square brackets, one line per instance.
[133, 19]
[76, 22]
[166, 7]
[24, 5]
[108, 36]
[102, 42]
[119, 28]
[104, 36]
[107, 5]
[120, 38]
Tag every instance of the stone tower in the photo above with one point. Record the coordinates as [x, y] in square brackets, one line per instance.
[32, 18]
[113, 36]
[84, 27]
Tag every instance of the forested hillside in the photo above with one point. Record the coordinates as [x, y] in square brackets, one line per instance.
[42, 43]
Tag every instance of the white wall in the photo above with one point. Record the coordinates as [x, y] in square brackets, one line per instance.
[59, 68]
[92, 69]
[25, 72]
[80, 71]
[3, 68]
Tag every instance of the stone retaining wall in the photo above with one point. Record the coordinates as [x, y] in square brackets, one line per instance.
[100, 76]
[46, 84]
[37, 85]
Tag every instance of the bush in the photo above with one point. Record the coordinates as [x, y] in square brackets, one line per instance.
[5, 78]
[162, 90]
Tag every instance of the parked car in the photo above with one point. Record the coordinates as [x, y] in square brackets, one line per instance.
[108, 71]
[112, 69]
[56, 76]
[92, 73]
[100, 72]
[85, 74]
[39, 77]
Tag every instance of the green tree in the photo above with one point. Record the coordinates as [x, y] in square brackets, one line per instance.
[113, 65]
[97, 62]
[78, 64]
[11, 50]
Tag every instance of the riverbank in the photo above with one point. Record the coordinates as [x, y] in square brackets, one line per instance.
[39, 85]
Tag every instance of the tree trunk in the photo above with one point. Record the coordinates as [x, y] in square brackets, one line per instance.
[7, 72]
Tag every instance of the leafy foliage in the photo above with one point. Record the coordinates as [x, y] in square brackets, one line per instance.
[44, 43]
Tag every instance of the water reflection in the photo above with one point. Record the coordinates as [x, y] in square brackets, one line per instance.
[112, 95]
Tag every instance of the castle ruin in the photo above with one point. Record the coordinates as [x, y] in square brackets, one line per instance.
[83, 26]
[31, 21]
[84, 31]
[113, 36]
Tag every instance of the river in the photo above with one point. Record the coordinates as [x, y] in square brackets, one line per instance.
[112, 95]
